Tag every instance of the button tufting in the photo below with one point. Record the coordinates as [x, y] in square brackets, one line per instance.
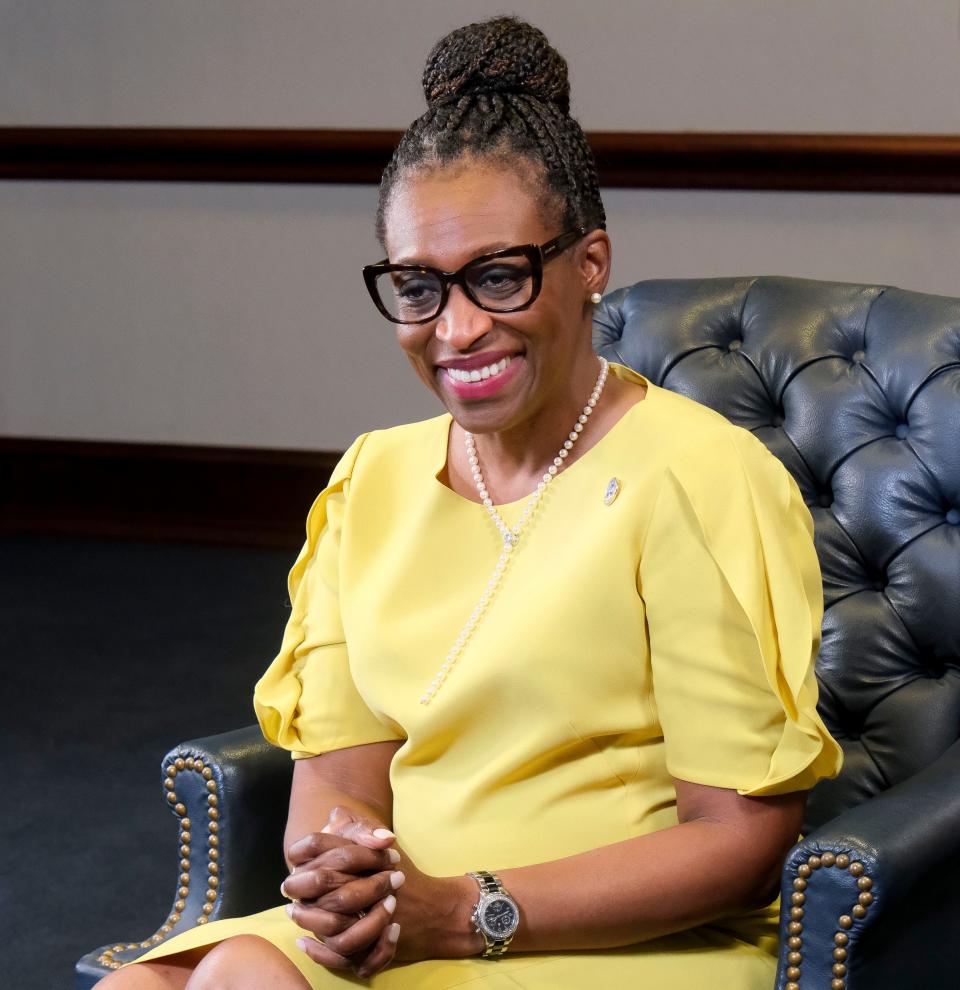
[858, 356]
[735, 345]
[953, 517]
[902, 430]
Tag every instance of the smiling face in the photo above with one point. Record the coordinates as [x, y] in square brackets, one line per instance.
[528, 361]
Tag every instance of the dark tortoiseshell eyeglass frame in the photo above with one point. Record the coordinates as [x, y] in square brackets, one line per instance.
[536, 254]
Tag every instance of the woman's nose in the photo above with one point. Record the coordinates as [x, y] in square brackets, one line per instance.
[461, 321]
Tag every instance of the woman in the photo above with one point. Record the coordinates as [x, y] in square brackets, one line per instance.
[563, 633]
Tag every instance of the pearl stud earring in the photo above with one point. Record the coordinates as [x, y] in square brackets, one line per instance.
[595, 298]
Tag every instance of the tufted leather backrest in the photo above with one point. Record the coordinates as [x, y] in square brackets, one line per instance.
[856, 388]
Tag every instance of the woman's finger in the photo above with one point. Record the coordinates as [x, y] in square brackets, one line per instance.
[308, 885]
[322, 923]
[382, 953]
[319, 953]
[364, 831]
[351, 858]
[360, 894]
[338, 818]
[363, 933]
[313, 845]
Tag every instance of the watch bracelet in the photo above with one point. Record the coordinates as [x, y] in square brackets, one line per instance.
[489, 884]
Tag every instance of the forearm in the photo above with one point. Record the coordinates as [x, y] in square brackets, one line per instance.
[357, 780]
[639, 889]
[311, 816]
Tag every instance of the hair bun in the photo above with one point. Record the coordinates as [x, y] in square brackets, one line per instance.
[501, 55]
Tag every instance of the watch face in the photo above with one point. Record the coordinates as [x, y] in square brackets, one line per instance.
[499, 918]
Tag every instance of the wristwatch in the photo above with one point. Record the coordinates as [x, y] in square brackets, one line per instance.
[496, 916]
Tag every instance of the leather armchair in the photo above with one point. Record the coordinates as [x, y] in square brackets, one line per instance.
[856, 388]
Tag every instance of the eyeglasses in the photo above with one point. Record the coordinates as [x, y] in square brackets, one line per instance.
[502, 282]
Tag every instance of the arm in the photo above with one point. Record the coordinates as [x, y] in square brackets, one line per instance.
[356, 778]
[724, 857]
[339, 864]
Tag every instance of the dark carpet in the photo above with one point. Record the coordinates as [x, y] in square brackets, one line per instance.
[112, 653]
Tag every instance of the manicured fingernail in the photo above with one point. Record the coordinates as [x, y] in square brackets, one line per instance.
[393, 855]
[283, 889]
[326, 830]
[302, 943]
[393, 933]
[396, 879]
[289, 910]
[383, 833]
[390, 903]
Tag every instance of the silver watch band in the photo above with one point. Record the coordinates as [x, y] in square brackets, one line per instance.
[496, 947]
[489, 883]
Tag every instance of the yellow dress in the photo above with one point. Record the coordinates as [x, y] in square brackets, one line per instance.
[670, 633]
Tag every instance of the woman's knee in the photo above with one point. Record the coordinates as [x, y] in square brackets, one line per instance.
[246, 962]
[148, 976]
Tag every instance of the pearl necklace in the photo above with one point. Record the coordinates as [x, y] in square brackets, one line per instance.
[511, 536]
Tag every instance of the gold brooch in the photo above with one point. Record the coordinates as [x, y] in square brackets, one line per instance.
[613, 490]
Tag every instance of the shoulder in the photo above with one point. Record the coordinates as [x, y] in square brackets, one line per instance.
[379, 454]
[668, 421]
[719, 486]
[375, 465]
[709, 457]
[672, 430]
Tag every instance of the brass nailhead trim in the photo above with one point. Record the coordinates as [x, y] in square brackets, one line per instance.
[845, 922]
[179, 765]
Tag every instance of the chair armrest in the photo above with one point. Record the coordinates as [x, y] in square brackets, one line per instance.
[872, 892]
[230, 793]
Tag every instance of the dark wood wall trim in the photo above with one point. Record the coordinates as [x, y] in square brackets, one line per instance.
[227, 495]
[665, 160]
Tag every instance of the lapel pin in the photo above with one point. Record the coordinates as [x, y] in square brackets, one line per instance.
[613, 490]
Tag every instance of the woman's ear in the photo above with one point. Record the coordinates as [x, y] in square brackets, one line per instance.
[594, 258]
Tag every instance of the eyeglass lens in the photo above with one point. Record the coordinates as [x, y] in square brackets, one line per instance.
[498, 284]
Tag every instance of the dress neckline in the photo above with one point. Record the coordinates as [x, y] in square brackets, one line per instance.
[439, 459]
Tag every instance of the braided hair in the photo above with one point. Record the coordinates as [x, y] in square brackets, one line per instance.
[496, 90]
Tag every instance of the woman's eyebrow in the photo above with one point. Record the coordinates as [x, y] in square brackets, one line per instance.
[482, 250]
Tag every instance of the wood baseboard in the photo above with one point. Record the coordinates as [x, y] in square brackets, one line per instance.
[159, 492]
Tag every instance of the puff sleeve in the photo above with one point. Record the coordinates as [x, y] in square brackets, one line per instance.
[306, 701]
[731, 583]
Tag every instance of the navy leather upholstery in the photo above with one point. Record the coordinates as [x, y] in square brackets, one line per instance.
[857, 389]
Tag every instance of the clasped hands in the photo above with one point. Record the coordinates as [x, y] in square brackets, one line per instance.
[344, 889]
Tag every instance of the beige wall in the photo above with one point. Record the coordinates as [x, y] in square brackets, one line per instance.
[834, 65]
[236, 315]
